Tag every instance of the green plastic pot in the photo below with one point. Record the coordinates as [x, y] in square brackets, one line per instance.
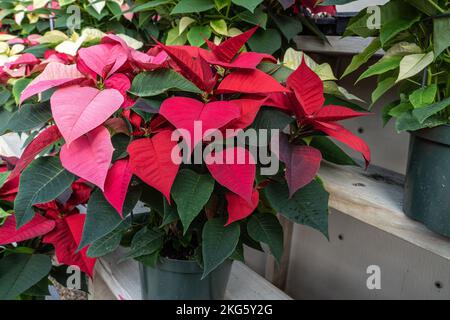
[427, 185]
[181, 280]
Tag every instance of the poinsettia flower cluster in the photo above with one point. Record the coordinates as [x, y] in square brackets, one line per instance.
[61, 224]
[91, 91]
[16, 64]
[58, 224]
[302, 97]
[24, 9]
[92, 101]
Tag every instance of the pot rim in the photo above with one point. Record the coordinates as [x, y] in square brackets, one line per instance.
[179, 266]
[439, 134]
[183, 266]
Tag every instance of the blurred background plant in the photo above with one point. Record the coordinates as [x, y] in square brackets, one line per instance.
[414, 36]
[175, 22]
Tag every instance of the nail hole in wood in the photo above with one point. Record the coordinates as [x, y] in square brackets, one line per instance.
[359, 184]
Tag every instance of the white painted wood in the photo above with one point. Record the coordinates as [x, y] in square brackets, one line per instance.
[368, 228]
[123, 281]
[337, 269]
[337, 46]
[375, 198]
[358, 5]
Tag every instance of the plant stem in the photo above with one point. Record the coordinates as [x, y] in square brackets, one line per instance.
[228, 9]
[415, 82]
[436, 6]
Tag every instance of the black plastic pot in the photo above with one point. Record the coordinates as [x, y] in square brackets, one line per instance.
[181, 280]
[427, 186]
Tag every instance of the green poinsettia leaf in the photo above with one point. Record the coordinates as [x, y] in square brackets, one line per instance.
[43, 181]
[219, 243]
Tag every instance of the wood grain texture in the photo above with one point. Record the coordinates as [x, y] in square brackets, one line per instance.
[375, 197]
[122, 282]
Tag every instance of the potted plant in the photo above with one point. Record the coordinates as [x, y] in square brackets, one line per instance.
[163, 128]
[414, 36]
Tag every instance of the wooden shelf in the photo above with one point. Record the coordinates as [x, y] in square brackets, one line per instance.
[339, 45]
[375, 197]
[121, 281]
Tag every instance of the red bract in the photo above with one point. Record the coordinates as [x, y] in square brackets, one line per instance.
[184, 112]
[226, 54]
[302, 164]
[238, 208]
[80, 195]
[89, 157]
[249, 110]
[151, 160]
[227, 50]
[245, 60]
[235, 169]
[251, 82]
[306, 101]
[120, 82]
[42, 141]
[116, 184]
[308, 89]
[37, 227]
[189, 62]
[61, 226]
[68, 222]
[66, 238]
[136, 121]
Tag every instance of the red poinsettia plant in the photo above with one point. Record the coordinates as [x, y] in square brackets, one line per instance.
[172, 129]
[26, 253]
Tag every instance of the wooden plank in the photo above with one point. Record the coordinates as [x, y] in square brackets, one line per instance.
[376, 198]
[122, 279]
[277, 273]
[359, 5]
[339, 46]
